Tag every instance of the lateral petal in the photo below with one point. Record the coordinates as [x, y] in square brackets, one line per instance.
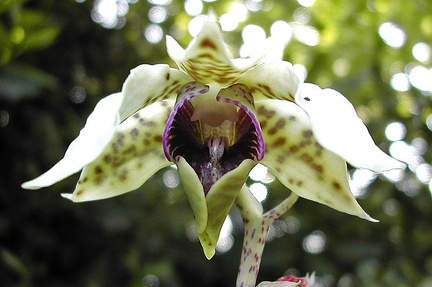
[337, 127]
[241, 96]
[132, 156]
[149, 83]
[145, 85]
[97, 132]
[276, 80]
[300, 162]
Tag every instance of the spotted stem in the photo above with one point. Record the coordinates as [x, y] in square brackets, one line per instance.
[256, 227]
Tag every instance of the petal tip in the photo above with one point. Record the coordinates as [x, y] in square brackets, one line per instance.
[174, 50]
[368, 217]
[209, 254]
[30, 185]
[39, 182]
[67, 196]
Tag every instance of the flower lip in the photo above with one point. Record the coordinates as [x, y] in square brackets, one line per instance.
[191, 90]
[260, 141]
[212, 151]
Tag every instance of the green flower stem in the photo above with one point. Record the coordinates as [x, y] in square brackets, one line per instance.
[256, 227]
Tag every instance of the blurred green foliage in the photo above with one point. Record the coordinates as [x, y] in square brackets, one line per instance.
[56, 62]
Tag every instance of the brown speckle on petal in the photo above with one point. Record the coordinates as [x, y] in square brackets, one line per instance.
[307, 133]
[123, 175]
[98, 170]
[280, 141]
[293, 149]
[157, 138]
[336, 185]
[134, 132]
[207, 43]
[280, 124]
[137, 115]
[266, 112]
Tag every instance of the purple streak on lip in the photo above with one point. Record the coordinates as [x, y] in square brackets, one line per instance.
[190, 89]
[255, 122]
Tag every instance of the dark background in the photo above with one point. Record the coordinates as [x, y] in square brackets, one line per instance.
[58, 58]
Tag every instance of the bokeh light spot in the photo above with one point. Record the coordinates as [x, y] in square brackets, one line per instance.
[110, 13]
[153, 33]
[429, 122]
[315, 242]
[254, 38]
[400, 82]
[193, 7]
[306, 3]
[150, 281]
[282, 31]
[292, 224]
[237, 13]
[258, 172]
[77, 95]
[302, 15]
[392, 34]
[259, 190]
[424, 172]
[359, 181]
[171, 178]
[157, 14]
[422, 52]
[420, 77]
[160, 2]
[226, 240]
[391, 207]
[395, 131]
[254, 5]
[228, 22]
[341, 67]
[306, 34]
[196, 24]
[276, 230]
[4, 118]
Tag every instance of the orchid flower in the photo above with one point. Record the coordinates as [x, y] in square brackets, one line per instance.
[216, 117]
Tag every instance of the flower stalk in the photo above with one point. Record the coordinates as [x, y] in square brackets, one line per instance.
[256, 227]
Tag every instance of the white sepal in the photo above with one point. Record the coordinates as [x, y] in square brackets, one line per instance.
[337, 127]
[97, 132]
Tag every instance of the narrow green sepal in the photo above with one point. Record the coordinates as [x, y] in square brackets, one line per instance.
[195, 193]
[220, 199]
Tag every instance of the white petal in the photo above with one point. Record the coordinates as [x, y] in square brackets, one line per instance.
[337, 127]
[207, 59]
[97, 132]
[147, 84]
[132, 156]
[300, 162]
[276, 80]
[174, 50]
